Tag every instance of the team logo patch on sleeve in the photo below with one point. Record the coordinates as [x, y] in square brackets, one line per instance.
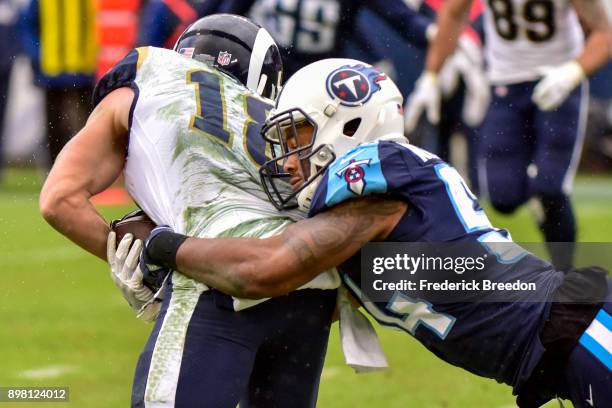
[354, 175]
[354, 85]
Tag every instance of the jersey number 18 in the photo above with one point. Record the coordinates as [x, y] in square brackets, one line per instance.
[211, 114]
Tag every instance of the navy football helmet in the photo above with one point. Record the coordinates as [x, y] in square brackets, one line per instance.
[238, 47]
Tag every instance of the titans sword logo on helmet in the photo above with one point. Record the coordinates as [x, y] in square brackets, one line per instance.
[354, 85]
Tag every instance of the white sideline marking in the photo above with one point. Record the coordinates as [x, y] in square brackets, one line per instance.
[44, 373]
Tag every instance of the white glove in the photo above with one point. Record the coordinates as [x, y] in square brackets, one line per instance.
[425, 97]
[557, 84]
[467, 63]
[127, 276]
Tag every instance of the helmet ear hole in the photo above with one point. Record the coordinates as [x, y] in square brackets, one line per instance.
[350, 127]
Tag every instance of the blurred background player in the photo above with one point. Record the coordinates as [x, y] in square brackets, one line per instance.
[9, 48]
[163, 21]
[306, 30]
[59, 37]
[310, 30]
[532, 136]
[465, 98]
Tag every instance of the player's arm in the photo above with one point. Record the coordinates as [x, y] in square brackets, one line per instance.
[427, 93]
[87, 165]
[598, 47]
[256, 268]
[558, 82]
[452, 17]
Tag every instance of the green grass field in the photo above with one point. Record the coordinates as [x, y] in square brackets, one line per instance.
[62, 323]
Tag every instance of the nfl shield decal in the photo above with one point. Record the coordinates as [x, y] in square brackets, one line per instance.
[354, 85]
[354, 175]
[224, 58]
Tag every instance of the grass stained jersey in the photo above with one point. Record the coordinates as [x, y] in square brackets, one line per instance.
[195, 149]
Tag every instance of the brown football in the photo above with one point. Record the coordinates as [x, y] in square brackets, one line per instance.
[136, 223]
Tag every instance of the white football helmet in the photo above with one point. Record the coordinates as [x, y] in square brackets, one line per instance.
[347, 103]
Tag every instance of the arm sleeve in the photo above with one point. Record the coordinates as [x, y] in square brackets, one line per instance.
[407, 22]
[121, 75]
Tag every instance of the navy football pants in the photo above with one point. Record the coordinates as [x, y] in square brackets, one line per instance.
[516, 134]
[269, 355]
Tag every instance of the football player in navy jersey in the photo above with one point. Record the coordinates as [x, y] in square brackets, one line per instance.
[310, 30]
[336, 135]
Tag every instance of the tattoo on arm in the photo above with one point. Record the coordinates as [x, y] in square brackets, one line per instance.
[347, 226]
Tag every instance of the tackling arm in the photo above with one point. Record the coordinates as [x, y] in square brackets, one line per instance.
[87, 165]
[256, 268]
[598, 47]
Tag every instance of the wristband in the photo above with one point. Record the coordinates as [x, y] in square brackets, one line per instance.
[162, 248]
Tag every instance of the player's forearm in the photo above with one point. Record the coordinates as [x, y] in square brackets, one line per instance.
[598, 47]
[451, 19]
[256, 268]
[597, 52]
[242, 267]
[87, 165]
[75, 217]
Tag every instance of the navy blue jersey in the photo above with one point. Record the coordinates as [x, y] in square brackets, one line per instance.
[310, 30]
[491, 339]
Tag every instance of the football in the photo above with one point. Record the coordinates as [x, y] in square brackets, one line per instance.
[136, 223]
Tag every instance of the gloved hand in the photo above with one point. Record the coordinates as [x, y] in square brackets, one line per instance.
[556, 85]
[127, 276]
[153, 274]
[467, 63]
[425, 97]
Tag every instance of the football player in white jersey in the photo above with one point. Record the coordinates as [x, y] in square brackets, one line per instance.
[532, 136]
[186, 131]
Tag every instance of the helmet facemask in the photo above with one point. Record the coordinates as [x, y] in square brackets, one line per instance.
[297, 162]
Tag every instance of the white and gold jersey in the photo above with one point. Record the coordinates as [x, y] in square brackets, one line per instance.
[524, 36]
[195, 150]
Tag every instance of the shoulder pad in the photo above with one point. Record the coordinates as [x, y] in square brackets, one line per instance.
[369, 169]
